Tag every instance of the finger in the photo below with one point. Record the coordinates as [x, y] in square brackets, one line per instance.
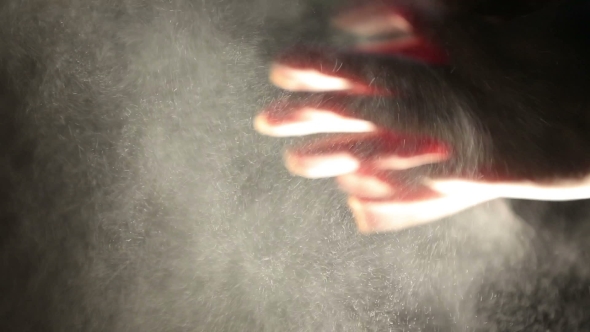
[285, 119]
[317, 70]
[413, 48]
[374, 185]
[344, 154]
[370, 19]
[396, 215]
[369, 183]
[321, 70]
[314, 80]
[378, 18]
[436, 25]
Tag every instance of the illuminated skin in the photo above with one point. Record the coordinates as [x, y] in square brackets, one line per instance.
[546, 157]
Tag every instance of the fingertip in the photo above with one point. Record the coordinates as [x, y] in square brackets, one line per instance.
[306, 79]
[262, 126]
[372, 19]
[367, 186]
[312, 69]
[360, 217]
[320, 166]
[398, 214]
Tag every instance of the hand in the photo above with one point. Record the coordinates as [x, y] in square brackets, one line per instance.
[450, 112]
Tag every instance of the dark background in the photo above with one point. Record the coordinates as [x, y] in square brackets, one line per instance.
[135, 196]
